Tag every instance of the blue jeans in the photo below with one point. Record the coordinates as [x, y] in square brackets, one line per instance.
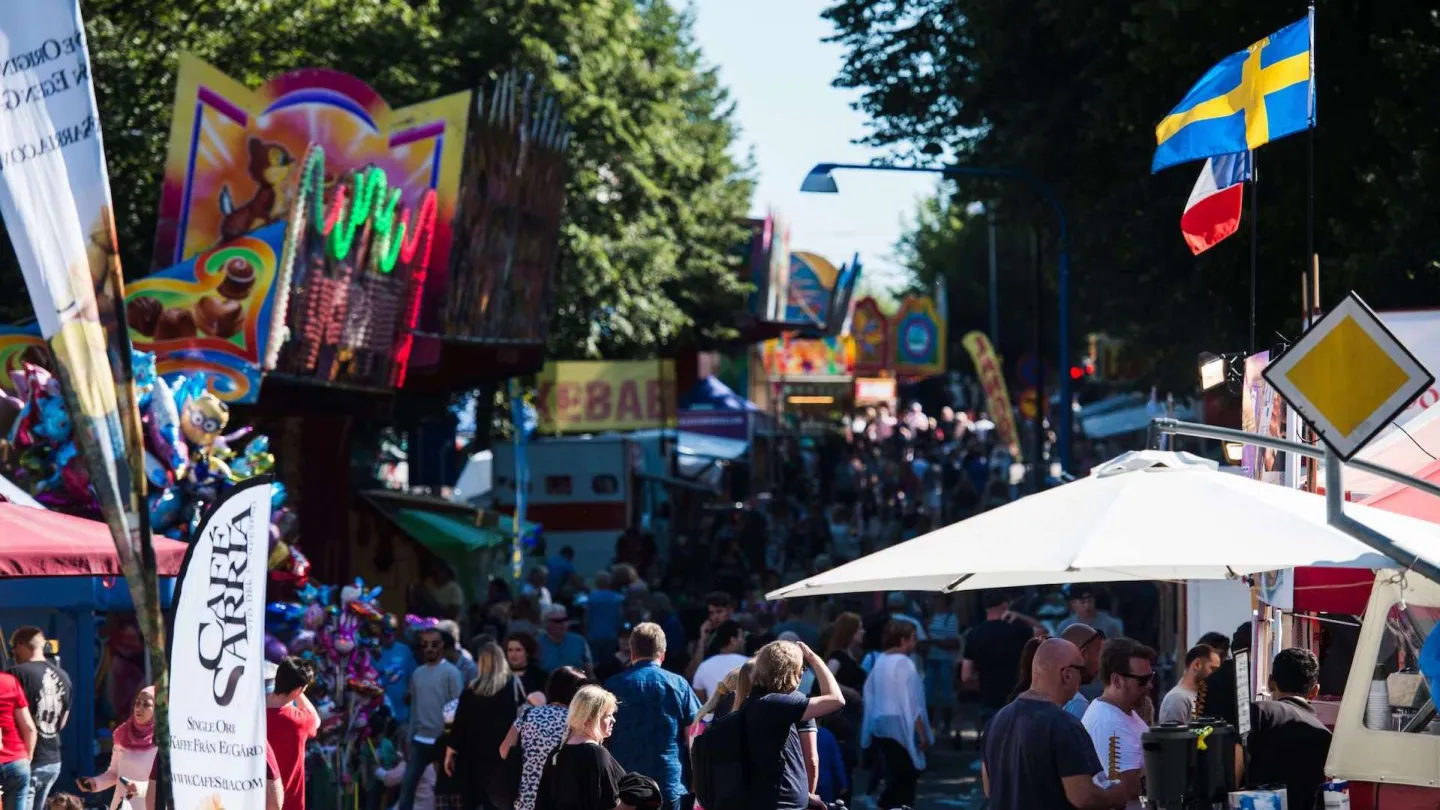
[42, 778]
[15, 781]
[421, 756]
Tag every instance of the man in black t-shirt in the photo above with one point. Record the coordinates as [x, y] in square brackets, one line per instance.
[47, 689]
[1037, 755]
[1288, 743]
[992, 651]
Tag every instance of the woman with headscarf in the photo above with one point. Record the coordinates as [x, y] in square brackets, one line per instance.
[132, 756]
[482, 720]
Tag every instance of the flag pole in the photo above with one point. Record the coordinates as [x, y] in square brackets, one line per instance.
[1311, 261]
[1254, 243]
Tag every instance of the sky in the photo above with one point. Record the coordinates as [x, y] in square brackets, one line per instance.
[771, 57]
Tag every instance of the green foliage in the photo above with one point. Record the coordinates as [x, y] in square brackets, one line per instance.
[1072, 92]
[653, 194]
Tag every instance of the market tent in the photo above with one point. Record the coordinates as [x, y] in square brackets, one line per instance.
[711, 394]
[40, 543]
[1142, 516]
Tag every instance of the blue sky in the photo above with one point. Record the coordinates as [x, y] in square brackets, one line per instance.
[778, 70]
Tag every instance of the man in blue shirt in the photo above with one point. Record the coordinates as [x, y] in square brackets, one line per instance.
[561, 648]
[562, 567]
[652, 728]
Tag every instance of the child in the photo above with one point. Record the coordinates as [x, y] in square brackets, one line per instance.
[64, 801]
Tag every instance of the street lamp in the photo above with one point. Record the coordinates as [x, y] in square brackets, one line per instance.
[821, 180]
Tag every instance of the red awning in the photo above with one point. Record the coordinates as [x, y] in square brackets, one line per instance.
[40, 543]
[1409, 501]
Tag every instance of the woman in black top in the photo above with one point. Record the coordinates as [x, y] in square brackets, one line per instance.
[487, 709]
[846, 637]
[581, 774]
[523, 655]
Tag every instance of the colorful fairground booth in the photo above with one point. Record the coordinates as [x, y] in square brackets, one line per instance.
[323, 263]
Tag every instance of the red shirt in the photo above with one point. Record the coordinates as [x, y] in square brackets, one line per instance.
[288, 728]
[12, 700]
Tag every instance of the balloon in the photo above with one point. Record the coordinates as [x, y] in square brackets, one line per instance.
[275, 650]
[314, 616]
[163, 437]
[304, 641]
[283, 613]
[366, 611]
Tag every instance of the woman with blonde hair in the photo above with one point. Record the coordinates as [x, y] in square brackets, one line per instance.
[581, 774]
[483, 718]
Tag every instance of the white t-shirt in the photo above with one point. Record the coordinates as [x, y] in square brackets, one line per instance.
[713, 670]
[1105, 723]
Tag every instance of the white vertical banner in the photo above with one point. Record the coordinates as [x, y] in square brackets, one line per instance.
[217, 657]
[54, 191]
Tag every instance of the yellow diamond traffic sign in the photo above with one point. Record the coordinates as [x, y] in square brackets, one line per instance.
[1348, 376]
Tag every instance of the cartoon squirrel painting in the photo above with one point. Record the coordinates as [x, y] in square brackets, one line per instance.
[270, 166]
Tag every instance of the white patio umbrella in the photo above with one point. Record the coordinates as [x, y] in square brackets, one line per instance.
[1142, 516]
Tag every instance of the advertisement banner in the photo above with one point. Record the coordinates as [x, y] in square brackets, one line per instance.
[55, 201]
[774, 284]
[919, 337]
[874, 390]
[235, 152]
[825, 359]
[992, 378]
[812, 285]
[871, 331]
[724, 424]
[1262, 411]
[217, 716]
[213, 313]
[601, 395]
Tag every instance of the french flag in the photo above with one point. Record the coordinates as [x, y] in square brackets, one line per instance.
[1213, 211]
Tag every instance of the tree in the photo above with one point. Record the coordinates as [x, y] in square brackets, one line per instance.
[653, 195]
[1073, 91]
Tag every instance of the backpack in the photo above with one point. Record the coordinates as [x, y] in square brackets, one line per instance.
[720, 764]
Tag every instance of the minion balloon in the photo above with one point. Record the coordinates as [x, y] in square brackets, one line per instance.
[203, 420]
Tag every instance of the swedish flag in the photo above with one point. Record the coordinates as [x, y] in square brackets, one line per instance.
[1258, 95]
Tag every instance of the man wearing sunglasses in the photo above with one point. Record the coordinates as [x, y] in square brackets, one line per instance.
[1037, 756]
[433, 684]
[1126, 668]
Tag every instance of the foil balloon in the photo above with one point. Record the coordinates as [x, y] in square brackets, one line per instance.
[202, 419]
[304, 641]
[283, 614]
[163, 435]
[275, 649]
[314, 616]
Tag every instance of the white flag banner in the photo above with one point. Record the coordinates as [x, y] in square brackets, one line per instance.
[54, 191]
[217, 657]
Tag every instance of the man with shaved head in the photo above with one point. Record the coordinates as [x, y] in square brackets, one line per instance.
[1036, 754]
[1089, 640]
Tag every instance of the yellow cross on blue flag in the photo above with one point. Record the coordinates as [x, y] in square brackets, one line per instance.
[1253, 97]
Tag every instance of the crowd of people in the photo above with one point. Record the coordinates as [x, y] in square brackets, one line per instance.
[1042, 749]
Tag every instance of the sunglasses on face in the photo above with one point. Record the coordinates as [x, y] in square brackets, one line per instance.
[1140, 679]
